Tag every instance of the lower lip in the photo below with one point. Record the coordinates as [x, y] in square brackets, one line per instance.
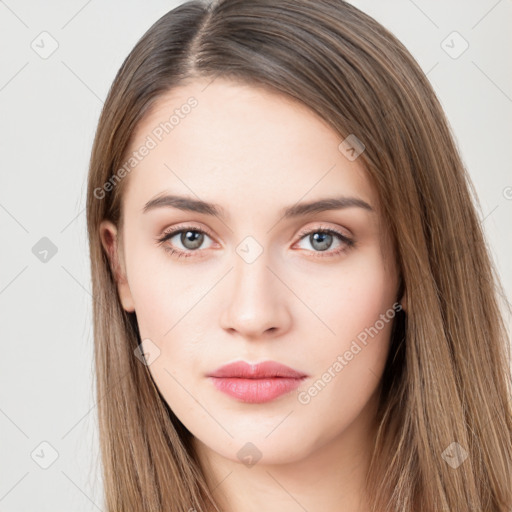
[256, 391]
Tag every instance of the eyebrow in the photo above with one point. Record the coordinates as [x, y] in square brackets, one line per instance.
[301, 209]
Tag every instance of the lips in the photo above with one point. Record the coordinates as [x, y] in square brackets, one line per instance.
[256, 383]
[266, 369]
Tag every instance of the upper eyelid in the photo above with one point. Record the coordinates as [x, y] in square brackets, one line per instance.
[323, 227]
[192, 227]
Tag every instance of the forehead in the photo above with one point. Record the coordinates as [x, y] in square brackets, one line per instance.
[239, 143]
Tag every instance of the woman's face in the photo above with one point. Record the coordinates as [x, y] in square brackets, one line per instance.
[249, 282]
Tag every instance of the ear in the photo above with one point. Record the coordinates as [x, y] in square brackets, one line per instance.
[110, 241]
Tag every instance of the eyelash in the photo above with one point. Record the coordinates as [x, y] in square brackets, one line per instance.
[349, 243]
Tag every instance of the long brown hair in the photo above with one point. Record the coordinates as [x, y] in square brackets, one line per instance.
[447, 383]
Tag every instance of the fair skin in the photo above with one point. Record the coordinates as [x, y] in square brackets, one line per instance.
[254, 152]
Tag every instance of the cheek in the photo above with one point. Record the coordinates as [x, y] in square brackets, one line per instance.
[352, 300]
[162, 294]
[172, 309]
[357, 307]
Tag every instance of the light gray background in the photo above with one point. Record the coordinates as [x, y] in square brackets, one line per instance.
[48, 114]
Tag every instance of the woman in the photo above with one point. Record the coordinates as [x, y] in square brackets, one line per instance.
[294, 305]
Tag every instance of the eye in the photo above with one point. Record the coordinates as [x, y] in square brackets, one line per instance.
[321, 239]
[190, 237]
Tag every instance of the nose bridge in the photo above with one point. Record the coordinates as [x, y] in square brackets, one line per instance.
[255, 302]
[252, 276]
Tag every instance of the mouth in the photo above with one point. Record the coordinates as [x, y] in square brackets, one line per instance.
[256, 383]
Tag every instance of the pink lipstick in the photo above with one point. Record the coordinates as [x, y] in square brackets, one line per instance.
[256, 383]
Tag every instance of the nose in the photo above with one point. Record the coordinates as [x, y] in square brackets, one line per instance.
[257, 301]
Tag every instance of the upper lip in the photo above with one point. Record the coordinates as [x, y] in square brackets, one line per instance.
[265, 369]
